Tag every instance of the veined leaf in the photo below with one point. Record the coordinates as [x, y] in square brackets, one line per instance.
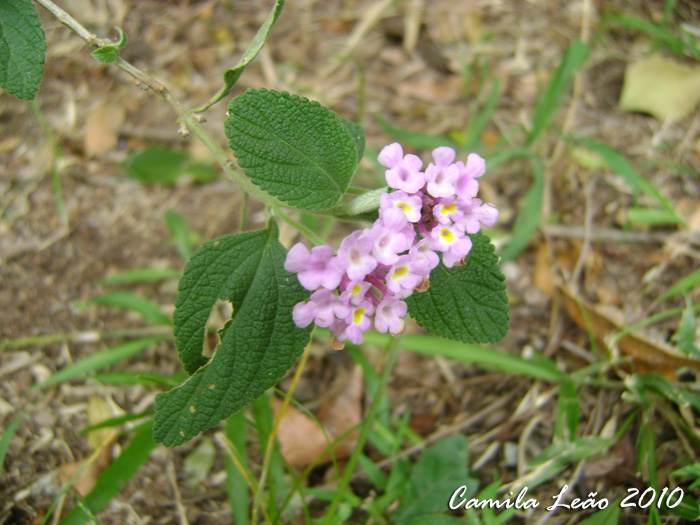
[22, 48]
[465, 303]
[292, 148]
[232, 75]
[258, 345]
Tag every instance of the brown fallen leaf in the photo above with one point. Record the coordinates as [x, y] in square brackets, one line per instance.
[98, 410]
[301, 438]
[101, 131]
[647, 355]
[662, 87]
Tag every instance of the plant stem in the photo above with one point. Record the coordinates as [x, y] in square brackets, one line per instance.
[186, 117]
[271, 439]
[298, 226]
[392, 352]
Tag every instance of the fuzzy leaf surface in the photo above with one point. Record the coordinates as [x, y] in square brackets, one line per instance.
[465, 303]
[292, 148]
[22, 48]
[258, 345]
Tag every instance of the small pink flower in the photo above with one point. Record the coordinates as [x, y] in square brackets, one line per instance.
[447, 211]
[315, 268]
[323, 308]
[354, 254]
[476, 214]
[411, 205]
[392, 235]
[388, 317]
[404, 172]
[452, 242]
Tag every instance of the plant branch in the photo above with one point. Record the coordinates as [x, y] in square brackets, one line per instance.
[186, 117]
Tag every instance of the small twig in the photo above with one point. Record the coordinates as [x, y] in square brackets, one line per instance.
[176, 492]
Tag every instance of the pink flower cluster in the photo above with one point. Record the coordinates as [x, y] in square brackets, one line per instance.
[376, 268]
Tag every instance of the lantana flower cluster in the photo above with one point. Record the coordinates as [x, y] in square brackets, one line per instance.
[375, 269]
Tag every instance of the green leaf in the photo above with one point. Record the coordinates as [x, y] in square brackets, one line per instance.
[149, 310]
[115, 476]
[440, 470]
[109, 53]
[232, 75]
[106, 54]
[549, 103]
[183, 238]
[292, 148]
[608, 516]
[22, 48]
[688, 282]
[198, 464]
[156, 166]
[258, 345]
[358, 135]
[465, 303]
[98, 360]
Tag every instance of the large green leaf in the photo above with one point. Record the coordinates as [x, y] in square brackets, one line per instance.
[22, 48]
[292, 148]
[440, 470]
[257, 346]
[465, 303]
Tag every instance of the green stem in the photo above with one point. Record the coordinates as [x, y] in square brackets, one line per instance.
[392, 351]
[298, 226]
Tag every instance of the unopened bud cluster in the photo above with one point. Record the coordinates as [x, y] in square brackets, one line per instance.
[375, 269]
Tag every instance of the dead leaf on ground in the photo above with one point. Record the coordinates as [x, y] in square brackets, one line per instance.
[662, 87]
[301, 438]
[98, 411]
[102, 126]
[647, 355]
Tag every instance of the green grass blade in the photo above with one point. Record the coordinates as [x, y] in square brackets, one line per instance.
[687, 283]
[528, 220]
[182, 235]
[544, 368]
[115, 421]
[97, 361]
[482, 119]
[414, 139]
[619, 164]
[548, 104]
[142, 275]
[7, 437]
[238, 495]
[149, 310]
[115, 476]
[652, 216]
[607, 516]
[655, 31]
[130, 377]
